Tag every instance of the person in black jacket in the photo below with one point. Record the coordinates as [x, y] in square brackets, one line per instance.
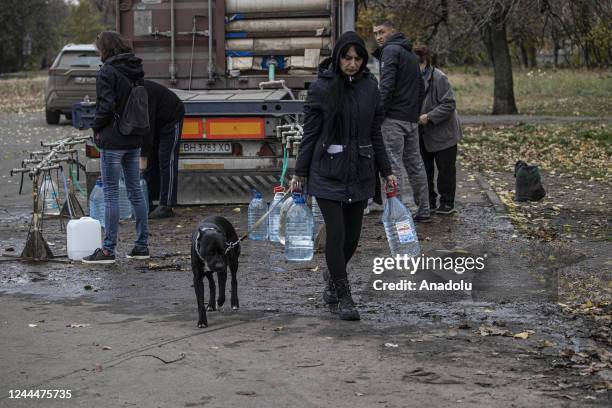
[341, 151]
[119, 154]
[402, 90]
[161, 147]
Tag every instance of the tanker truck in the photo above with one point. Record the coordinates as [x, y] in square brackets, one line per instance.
[242, 68]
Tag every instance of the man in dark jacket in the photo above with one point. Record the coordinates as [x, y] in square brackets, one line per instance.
[402, 90]
[161, 147]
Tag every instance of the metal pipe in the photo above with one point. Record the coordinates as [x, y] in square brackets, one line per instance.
[262, 6]
[211, 66]
[172, 68]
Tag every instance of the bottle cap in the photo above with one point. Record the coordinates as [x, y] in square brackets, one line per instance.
[278, 189]
[256, 194]
[299, 199]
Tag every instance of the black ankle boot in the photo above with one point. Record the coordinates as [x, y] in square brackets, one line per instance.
[346, 306]
[330, 295]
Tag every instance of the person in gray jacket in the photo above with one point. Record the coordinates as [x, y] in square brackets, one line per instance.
[401, 89]
[440, 131]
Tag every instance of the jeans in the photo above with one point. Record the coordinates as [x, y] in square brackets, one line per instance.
[162, 165]
[111, 163]
[445, 161]
[343, 229]
[402, 145]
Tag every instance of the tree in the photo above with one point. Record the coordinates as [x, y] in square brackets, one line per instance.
[83, 23]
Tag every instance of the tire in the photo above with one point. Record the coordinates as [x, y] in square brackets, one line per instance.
[53, 117]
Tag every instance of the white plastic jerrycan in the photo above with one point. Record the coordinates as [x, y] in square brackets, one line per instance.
[84, 236]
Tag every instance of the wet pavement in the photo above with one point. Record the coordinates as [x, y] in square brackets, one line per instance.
[438, 346]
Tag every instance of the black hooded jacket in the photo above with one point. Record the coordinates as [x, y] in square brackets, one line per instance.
[113, 86]
[401, 85]
[348, 176]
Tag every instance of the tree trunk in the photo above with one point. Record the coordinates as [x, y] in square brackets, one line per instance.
[523, 53]
[497, 46]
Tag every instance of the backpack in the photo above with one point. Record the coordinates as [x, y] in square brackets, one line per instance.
[134, 119]
[528, 182]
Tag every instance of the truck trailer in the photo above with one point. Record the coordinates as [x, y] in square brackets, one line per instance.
[242, 68]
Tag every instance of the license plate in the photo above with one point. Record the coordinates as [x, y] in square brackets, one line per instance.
[206, 147]
[84, 80]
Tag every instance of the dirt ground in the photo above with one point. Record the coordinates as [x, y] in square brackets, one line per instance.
[126, 335]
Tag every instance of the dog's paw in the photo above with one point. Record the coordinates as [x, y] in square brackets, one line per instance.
[235, 307]
[202, 325]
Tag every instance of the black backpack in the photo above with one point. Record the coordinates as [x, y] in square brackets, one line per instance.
[528, 182]
[134, 119]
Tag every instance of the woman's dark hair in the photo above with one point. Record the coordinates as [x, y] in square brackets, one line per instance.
[110, 43]
[422, 51]
[337, 93]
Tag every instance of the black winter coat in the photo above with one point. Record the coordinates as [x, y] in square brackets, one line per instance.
[349, 176]
[113, 88]
[165, 108]
[401, 84]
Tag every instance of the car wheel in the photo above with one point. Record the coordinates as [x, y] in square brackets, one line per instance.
[53, 117]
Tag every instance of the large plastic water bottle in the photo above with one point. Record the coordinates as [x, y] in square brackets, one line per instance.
[399, 227]
[257, 209]
[145, 196]
[125, 206]
[83, 236]
[96, 202]
[48, 190]
[273, 217]
[282, 219]
[299, 229]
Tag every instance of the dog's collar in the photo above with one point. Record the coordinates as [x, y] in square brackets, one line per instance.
[228, 245]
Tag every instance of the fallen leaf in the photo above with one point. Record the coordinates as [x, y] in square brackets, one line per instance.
[107, 348]
[391, 345]
[236, 210]
[279, 328]
[32, 325]
[521, 335]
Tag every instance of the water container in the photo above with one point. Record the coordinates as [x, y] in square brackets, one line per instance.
[399, 227]
[145, 196]
[273, 217]
[125, 206]
[282, 219]
[49, 192]
[316, 212]
[257, 209]
[96, 202]
[83, 237]
[299, 229]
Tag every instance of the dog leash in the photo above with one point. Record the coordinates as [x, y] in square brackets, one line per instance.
[232, 245]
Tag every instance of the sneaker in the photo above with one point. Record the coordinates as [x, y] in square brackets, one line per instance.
[445, 209]
[422, 219]
[99, 257]
[161, 212]
[138, 253]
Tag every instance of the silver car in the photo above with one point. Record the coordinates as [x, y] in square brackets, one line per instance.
[72, 78]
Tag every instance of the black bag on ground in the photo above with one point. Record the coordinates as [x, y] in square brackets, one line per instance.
[528, 182]
[134, 119]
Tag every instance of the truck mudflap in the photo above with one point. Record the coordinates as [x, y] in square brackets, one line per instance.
[225, 186]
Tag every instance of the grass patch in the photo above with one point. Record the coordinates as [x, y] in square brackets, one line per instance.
[20, 95]
[583, 149]
[567, 92]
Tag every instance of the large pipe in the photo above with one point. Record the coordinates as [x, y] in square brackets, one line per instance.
[261, 6]
[211, 66]
[172, 68]
[279, 25]
[277, 44]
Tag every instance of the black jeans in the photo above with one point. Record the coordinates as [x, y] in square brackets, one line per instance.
[162, 165]
[445, 161]
[343, 228]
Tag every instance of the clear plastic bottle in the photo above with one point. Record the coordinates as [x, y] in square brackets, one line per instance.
[145, 196]
[49, 192]
[125, 206]
[257, 209]
[399, 227]
[273, 217]
[282, 219]
[299, 245]
[96, 202]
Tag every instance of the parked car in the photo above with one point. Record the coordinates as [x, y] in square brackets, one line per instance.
[72, 77]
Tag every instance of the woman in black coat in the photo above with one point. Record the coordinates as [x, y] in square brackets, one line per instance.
[340, 155]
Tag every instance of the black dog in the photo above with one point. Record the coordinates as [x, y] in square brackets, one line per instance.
[210, 253]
